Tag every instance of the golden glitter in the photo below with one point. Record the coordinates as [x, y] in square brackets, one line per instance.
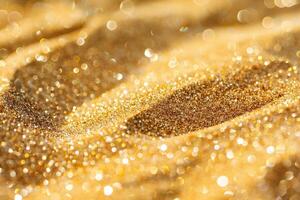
[99, 176]
[108, 190]
[111, 25]
[222, 181]
[268, 22]
[127, 7]
[18, 197]
[135, 99]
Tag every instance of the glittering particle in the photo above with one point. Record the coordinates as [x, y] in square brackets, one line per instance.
[222, 181]
[18, 197]
[251, 158]
[172, 62]
[269, 3]
[184, 29]
[12, 174]
[80, 41]
[2, 63]
[244, 16]
[217, 147]
[154, 58]
[119, 76]
[108, 190]
[148, 53]
[45, 182]
[76, 70]
[250, 50]
[268, 22]
[270, 149]
[69, 186]
[125, 161]
[208, 34]
[25, 170]
[289, 175]
[127, 7]
[70, 174]
[285, 3]
[111, 25]
[99, 176]
[41, 58]
[153, 170]
[109, 139]
[230, 154]
[163, 147]
[241, 141]
[84, 66]
[228, 193]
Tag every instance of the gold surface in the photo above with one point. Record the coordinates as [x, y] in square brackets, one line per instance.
[150, 100]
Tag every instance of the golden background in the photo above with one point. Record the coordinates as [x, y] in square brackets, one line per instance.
[136, 99]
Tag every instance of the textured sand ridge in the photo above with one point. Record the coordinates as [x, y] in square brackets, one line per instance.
[149, 100]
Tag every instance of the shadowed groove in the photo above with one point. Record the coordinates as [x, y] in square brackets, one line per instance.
[54, 88]
[209, 103]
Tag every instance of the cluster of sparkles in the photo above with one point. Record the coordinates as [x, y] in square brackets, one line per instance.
[121, 111]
